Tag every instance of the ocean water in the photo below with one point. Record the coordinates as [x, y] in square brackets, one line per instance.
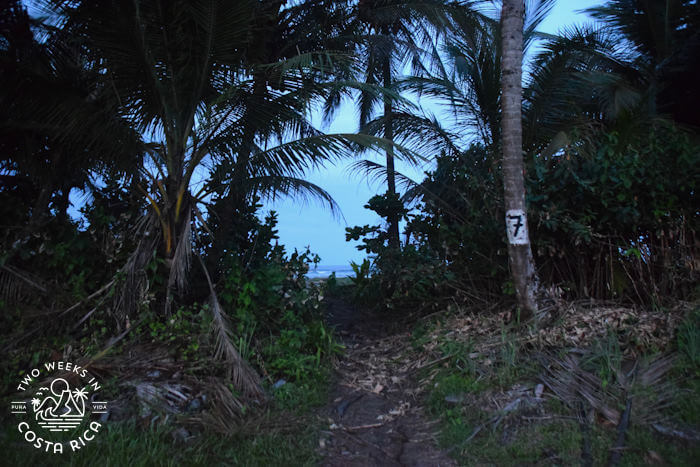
[322, 271]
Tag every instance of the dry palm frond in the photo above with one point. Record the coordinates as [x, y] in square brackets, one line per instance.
[243, 377]
[15, 284]
[239, 372]
[133, 288]
[180, 262]
[225, 414]
[139, 360]
[95, 294]
[570, 383]
[225, 411]
[654, 389]
[653, 372]
[168, 397]
[646, 383]
[158, 386]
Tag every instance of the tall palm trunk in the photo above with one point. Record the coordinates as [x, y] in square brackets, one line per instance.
[393, 217]
[522, 265]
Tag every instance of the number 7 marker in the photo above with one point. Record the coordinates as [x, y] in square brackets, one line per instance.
[516, 226]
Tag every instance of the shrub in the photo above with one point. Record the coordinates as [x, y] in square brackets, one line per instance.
[615, 223]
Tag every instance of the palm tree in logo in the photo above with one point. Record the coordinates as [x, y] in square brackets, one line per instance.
[79, 398]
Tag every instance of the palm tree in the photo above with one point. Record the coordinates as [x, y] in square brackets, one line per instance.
[560, 101]
[58, 127]
[485, 91]
[189, 77]
[392, 34]
[522, 264]
[579, 85]
[175, 70]
[243, 169]
[663, 38]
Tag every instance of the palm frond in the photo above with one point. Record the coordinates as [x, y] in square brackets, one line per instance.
[376, 172]
[243, 377]
[132, 286]
[420, 134]
[536, 11]
[647, 383]
[180, 262]
[225, 413]
[295, 157]
[15, 284]
[273, 187]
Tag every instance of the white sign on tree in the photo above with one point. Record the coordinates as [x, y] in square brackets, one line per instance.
[517, 227]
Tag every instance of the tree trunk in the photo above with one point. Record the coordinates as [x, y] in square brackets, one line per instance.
[393, 217]
[176, 241]
[519, 253]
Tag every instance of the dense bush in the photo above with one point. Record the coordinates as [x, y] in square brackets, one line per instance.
[462, 204]
[621, 222]
[276, 315]
[276, 312]
[617, 222]
[407, 278]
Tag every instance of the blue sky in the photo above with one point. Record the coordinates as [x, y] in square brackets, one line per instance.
[313, 225]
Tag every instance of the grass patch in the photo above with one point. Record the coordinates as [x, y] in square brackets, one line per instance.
[687, 403]
[451, 386]
[554, 441]
[420, 336]
[643, 445]
[301, 397]
[511, 443]
[548, 443]
[126, 444]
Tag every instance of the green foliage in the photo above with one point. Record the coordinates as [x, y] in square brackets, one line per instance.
[604, 358]
[394, 278]
[459, 220]
[331, 283]
[298, 352]
[457, 422]
[419, 336]
[687, 403]
[612, 223]
[362, 282]
[455, 385]
[374, 238]
[276, 313]
[185, 333]
[510, 365]
[629, 203]
[301, 396]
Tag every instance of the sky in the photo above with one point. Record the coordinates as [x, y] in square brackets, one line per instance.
[312, 224]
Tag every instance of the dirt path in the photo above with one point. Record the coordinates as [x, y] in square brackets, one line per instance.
[375, 416]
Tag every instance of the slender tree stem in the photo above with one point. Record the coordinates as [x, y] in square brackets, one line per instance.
[393, 217]
[519, 253]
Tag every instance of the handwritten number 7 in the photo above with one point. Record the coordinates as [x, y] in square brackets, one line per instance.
[517, 225]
